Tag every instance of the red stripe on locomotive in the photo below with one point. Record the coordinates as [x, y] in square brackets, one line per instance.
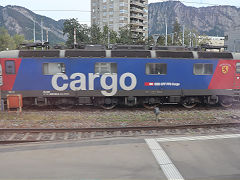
[224, 75]
[9, 79]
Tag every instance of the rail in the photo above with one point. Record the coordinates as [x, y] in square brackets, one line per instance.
[12, 136]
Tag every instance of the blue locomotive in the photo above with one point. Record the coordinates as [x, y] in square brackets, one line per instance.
[108, 78]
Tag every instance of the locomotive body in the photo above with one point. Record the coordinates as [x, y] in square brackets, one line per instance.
[108, 78]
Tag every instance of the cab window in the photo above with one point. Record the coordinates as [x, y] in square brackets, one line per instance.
[203, 69]
[10, 67]
[238, 68]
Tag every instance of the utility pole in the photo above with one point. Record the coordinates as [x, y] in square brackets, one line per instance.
[108, 28]
[74, 38]
[42, 31]
[190, 43]
[47, 34]
[34, 32]
[47, 38]
[183, 36]
[166, 39]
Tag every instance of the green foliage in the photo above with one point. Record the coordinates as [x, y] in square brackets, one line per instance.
[82, 32]
[139, 40]
[150, 41]
[95, 34]
[191, 37]
[125, 35]
[108, 33]
[6, 41]
[161, 41]
[18, 39]
[177, 31]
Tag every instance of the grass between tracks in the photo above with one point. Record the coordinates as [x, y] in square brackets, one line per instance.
[93, 117]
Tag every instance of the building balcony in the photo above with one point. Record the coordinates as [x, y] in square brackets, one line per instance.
[137, 3]
[137, 10]
[137, 30]
[136, 16]
[138, 23]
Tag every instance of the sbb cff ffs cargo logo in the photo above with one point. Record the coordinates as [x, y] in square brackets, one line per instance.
[78, 82]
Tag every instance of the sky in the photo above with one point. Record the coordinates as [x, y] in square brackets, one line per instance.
[82, 7]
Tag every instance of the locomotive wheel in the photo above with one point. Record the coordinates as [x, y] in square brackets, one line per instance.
[189, 106]
[64, 103]
[188, 103]
[149, 106]
[226, 102]
[108, 104]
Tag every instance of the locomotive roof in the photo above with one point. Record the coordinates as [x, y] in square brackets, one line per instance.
[117, 54]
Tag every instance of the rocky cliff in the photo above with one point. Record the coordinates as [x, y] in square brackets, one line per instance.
[214, 20]
[19, 20]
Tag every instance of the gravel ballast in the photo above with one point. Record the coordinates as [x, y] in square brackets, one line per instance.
[89, 117]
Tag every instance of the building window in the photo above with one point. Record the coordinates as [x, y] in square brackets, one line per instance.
[156, 69]
[10, 67]
[122, 11]
[203, 69]
[53, 68]
[103, 68]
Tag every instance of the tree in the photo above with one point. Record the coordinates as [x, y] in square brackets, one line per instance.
[177, 33]
[161, 40]
[150, 41]
[18, 39]
[6, 41]
[125, 35]
[82, 32]
[95, 34]
[139, 40]
[191, 38]
[109, 33]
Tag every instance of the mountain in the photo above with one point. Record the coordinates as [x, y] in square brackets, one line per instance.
[212, 21]
[19, 20]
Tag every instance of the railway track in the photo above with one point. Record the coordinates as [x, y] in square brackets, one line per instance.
[11, 136]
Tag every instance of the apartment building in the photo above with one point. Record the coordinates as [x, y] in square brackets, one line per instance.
[118, 13]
